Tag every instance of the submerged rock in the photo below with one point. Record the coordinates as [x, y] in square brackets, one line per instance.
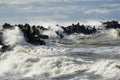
[59, 34]
[5, 48]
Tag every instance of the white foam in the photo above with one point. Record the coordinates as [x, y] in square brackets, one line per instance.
[52, 31]
[110, 34]
[24, 63]
[13, 36]
[102, 37]
[60, 61]
[106, 68]
[43, 61]
[76, 37]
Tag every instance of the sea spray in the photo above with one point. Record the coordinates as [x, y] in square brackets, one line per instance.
[13, 36]
[92, 62]
[105, 68]
[103, 37]
[52, 31]
[24, 64]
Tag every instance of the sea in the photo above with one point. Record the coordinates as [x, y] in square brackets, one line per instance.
[75, 57]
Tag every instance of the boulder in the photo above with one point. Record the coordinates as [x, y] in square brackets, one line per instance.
[5, 48]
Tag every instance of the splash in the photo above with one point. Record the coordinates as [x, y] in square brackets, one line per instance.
[13, 36]
[55, 63]
[62, 61]
[52, 31]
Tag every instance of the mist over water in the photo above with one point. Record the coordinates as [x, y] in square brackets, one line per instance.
[13, 36]
[75, 57]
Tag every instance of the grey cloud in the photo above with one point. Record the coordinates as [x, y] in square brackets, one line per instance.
[31, 1]
[56, 9]
[111, 5]
[100, 11]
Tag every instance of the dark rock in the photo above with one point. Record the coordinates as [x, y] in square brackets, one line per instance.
[1, 38]
[43, 37]
[78, 29]
[7, 26]
[59, 34]
[5, 48]
[38, 41]
[111, 24]
[32, 34]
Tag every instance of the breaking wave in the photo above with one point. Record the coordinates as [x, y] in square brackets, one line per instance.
[76, 56]
[13, 36]
[30, 61]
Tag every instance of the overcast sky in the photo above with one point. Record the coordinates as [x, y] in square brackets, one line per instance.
[35, 11]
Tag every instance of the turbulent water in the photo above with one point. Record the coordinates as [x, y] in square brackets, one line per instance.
[75, 57]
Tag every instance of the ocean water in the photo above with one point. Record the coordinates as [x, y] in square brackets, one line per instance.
[76, 57]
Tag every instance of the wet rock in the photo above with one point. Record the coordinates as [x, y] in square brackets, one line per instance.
[7, 26]
[59, 34]
[1, 38]
[5, 48]
[79, 29]
[111, 24]
[32, 34]
[43, 36]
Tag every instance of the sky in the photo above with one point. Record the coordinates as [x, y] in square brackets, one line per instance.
[58, 11]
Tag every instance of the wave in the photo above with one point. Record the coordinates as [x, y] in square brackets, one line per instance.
[13, 36]
[66, 52]
[29, 61]
[72, 34]
[106, 36]
[16, 35]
